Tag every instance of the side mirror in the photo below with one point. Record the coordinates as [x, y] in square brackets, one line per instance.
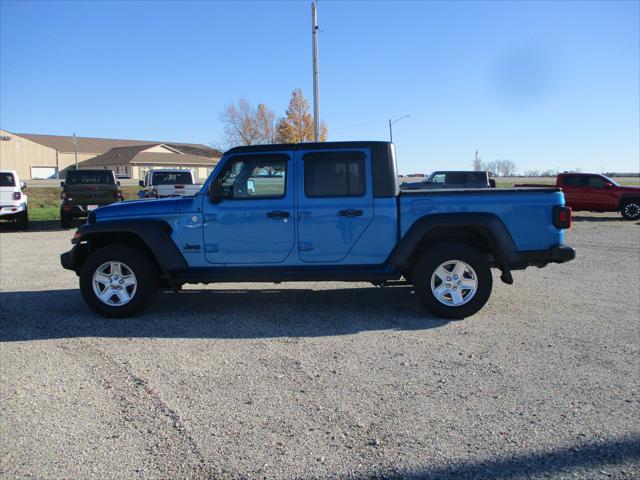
[216, 192]
[62, 184]
[23, 185]
[141, 183]
[118, 182]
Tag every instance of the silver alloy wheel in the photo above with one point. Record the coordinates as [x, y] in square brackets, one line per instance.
[114, 283]
[632, 209]
[454, 283]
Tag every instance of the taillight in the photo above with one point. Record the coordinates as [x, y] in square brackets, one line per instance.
[119, 194]
[63, 195]
[17, 195]
[562, 217]
[154, 193]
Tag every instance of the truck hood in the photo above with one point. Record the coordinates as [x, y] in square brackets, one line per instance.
[628, 188]
[142, 208]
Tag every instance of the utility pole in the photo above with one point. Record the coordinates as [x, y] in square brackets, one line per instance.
[75, 149]
[316, 95]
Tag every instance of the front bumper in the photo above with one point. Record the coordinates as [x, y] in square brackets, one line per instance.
[73, 259]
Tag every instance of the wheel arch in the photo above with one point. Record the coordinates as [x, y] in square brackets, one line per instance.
[151, 237]
[483, 231]
[626, 197]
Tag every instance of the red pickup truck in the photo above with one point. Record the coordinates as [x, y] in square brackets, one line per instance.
[596, 193]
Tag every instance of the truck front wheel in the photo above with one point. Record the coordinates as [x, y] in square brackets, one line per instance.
[452, 280]
[631, 209]
[117, 281]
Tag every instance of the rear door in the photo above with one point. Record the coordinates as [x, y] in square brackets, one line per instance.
[335, 202]
[574, 188]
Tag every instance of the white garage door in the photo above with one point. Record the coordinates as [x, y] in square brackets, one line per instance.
[43, 172]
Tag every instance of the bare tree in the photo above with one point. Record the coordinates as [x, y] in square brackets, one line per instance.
[492, 167]
[297, 125]
[507, 168]
[532, 173]
[245, 125]
[266, 123]
[477, 162]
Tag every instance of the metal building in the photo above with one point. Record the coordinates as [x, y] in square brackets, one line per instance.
[48, 156]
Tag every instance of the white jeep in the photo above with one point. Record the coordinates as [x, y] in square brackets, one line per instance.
[13, 203]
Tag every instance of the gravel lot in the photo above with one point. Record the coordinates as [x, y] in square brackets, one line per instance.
[325, 380]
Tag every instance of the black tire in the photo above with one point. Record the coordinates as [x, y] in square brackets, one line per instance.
[631, 209]
[432, 259]
[22, 220]
[137, 262]
[65, 219]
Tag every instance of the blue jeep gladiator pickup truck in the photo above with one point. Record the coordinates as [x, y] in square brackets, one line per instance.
[318, 212]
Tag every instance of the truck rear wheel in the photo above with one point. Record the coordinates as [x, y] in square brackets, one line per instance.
[65, 219]
[452, 280]
[631, 209]
[22, 220]
[117, 281]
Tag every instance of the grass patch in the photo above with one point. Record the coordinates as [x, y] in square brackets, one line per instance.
[44, 202]
[42, 214]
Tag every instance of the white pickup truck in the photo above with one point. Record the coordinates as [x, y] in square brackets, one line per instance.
[13, 203]
[168, 183]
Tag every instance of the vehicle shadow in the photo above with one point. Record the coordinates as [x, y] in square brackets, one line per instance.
[230, 314]
[587, 218]
[615, 458]
[37, 226]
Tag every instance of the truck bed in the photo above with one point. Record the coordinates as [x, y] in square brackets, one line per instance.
[527, 213]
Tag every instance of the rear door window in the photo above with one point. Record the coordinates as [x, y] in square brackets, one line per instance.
[575, 180]
[334, 174]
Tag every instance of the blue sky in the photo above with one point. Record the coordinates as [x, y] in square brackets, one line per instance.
[544, 84]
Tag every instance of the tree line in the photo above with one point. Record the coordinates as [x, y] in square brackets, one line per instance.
[496, 168]
[245, 124]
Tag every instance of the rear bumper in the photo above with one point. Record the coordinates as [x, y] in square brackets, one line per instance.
[80, 210]
[557, 254]
[12, 209]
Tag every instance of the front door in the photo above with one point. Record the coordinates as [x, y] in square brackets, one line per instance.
[254, 221]
[335, 203]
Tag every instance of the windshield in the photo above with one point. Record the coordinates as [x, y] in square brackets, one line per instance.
[7, 180]
[77, 177]
[172, 178]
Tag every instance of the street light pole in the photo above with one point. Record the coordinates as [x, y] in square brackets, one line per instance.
[316, 95]
[391, 123]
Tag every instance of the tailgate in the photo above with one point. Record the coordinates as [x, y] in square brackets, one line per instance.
[87, 194]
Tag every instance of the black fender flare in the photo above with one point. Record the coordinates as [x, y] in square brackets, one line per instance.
[154, 234]
[490, 226]
[627, 196]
